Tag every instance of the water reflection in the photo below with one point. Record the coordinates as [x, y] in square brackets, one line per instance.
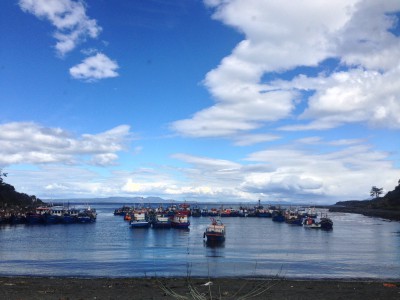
[214, 244]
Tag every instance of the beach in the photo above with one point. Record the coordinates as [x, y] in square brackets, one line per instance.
[193, 288]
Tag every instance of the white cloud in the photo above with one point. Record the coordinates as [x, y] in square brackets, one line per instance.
[343, 174]
[251, 139]
[215, 164]
[366, 40]
[94, 68]
[22, 143]
[281, 36]
[68, 16]
[353, 96]
[295, 172]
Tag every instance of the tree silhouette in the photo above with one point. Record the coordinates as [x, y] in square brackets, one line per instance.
[375, 191]
[1, 176]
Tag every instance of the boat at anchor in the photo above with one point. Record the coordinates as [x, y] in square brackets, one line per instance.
[215, 232]
[139, 220]
[180, 221]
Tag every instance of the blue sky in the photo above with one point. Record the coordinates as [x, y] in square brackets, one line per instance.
[214, 100]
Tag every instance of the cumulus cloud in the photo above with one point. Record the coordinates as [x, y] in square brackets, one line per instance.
[285, 36]
[294, 172]
[94, 68]
[309, 174]
[353, 96]
[26, 142]
[68, 16]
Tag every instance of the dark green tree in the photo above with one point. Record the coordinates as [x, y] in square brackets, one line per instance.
[376, 192]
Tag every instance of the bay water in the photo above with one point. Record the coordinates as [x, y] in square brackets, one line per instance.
[358, 247]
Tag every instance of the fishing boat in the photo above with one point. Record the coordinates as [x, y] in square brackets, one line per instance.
[215, 232]
[87, 215]
[84, 218]
[180, 221]
[326, 223]
[311, 223]
[264, 213]
[293, 218]
[278, 216]
[37, 216]
[91, 212]
[70, 216]
[55, 214]
[184, 209]
[225, 213]
[128, 216]
[321, 223]
[161, 221]
[196, 212]
[139, 220]
[204, 212]
[121, 211]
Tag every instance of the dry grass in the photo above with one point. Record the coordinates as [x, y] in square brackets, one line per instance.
[210, 291]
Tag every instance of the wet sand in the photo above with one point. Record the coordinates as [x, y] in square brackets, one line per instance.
[194, 288]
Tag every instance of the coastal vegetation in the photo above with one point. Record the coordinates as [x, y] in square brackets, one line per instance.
[387, 207]
[11, 199]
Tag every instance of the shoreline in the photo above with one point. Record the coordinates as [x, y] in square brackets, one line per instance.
[390, 215]
[23, 287]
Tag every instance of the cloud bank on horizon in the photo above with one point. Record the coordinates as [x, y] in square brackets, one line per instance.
[303, 74]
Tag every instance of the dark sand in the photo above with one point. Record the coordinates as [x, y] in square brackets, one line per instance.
[221, 288]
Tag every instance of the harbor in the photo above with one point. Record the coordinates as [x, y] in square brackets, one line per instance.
[253, 247]
[176, 216]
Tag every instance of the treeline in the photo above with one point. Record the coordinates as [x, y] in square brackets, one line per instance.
[387, 207]
[10, 198]
[391, 201]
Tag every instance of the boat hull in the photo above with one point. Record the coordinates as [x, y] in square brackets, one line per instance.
[143, 224]
[161, 225]
[214, 237]
[297, 222]
[326, 224]
[180, 225]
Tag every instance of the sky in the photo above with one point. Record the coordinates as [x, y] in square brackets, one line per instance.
[213, 100]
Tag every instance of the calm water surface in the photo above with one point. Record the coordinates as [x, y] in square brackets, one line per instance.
[357, 247]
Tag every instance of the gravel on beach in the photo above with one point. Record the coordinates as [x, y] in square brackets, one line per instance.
[63, 288]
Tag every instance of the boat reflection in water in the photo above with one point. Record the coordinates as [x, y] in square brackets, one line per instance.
[214, 244]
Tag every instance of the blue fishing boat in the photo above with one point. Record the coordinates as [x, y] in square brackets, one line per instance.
[161, 221]
[139, 220]
[70, 216]
[91, 212]
[87, 215]
[204, 212]
[37, 217]
[278, 216]
[54, 215]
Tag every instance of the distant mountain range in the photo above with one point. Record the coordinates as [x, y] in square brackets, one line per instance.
[126, 200]
[150, 200]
